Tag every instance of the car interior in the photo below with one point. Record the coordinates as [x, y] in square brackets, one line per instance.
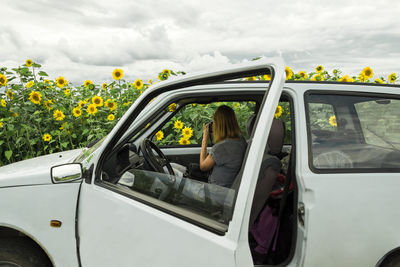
[165, 174]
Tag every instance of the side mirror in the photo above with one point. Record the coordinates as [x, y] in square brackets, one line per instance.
[66, 173]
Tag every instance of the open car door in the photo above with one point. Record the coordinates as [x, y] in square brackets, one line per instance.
[146, 218]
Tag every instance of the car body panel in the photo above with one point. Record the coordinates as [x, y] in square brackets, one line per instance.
[29, 209]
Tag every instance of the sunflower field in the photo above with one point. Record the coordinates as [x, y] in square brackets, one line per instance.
[39, 115]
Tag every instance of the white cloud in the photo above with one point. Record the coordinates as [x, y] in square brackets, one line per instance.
[88, 39]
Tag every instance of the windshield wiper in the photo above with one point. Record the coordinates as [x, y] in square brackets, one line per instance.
[383, 139]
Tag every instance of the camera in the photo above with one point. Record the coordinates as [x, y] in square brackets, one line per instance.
[210, 129]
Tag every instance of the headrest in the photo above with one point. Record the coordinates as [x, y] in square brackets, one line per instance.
[276, 134]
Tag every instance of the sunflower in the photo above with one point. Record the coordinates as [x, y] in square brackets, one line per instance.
[166, 71]
[332, 121]
[63, 126]
[392, 77]
[92, 109]
[267, 77]
[111, 105]
[3, 103]
[163, 76]
[302, 74]
[77, 112]
[28, 62]
[1, 124]
[35, 97]
[253, 78]
[82, 103]
[30, 84]
[46, 137]
[346, 79]
[58, 115]
[377, 80]
[150, 81]
[111, 117]
[67, 92]
[289, 73]
[317, 77]
[319, 68]
[3, 80]
[48, 104]
[98, 101]
[159, 135]
[278, 111]
[362, 77]
[118, 74]
[47, 82]
[61, 82]
[172, 107]
[367, 73]
[127, 103]
[184, 141]
[138, 84]
[104, 86]
[178, 124]
[10, 94]
[187, 132]
[87, 83]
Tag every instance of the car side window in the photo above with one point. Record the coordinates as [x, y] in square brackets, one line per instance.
[353, 132]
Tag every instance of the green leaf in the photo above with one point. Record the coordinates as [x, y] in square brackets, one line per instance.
[8, 154]
[1, 142]
[42, 73]
[36, 65]
[32, 142]
[65, 144]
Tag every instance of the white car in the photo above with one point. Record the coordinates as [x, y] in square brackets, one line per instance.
[334, 201]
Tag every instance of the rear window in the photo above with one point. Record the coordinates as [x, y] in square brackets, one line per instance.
[353, 132]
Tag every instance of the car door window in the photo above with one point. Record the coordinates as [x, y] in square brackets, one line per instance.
[353, 132]
[186, 126]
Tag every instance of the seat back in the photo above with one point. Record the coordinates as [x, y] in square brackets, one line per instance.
[270, 165]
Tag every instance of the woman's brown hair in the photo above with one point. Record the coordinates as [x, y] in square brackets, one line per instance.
[225, 124]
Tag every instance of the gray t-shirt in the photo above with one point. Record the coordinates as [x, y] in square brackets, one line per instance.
[228, 156]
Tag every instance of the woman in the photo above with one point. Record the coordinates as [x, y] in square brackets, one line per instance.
[227, 154]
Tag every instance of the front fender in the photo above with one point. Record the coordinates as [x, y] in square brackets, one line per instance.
[29, 209]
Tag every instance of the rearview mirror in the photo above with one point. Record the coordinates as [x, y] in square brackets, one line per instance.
[66, 173]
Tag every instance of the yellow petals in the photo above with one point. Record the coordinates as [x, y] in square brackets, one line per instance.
[187, 132]
[30, 84]
[35, 97]
[289, 73]
[92, 109]
[392, 77]
[319, 69]
[46, 137]
[3, 80]
[28, 62]
[118, 74]
[87, 82]
[184, 141]
[367, 73]
[172, 107]
[58, 115]
[61, 82]
[178, 124]
[98, 101]
[77, 112]
[110, 117]
[159, 135]
[278, 111]
[332, 121]
[138, 84]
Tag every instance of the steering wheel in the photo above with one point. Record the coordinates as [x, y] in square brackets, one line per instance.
[157, 163]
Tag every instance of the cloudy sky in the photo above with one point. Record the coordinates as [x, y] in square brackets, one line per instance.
[88, 39]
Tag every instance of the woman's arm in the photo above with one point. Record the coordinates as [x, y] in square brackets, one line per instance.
[206, 161]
